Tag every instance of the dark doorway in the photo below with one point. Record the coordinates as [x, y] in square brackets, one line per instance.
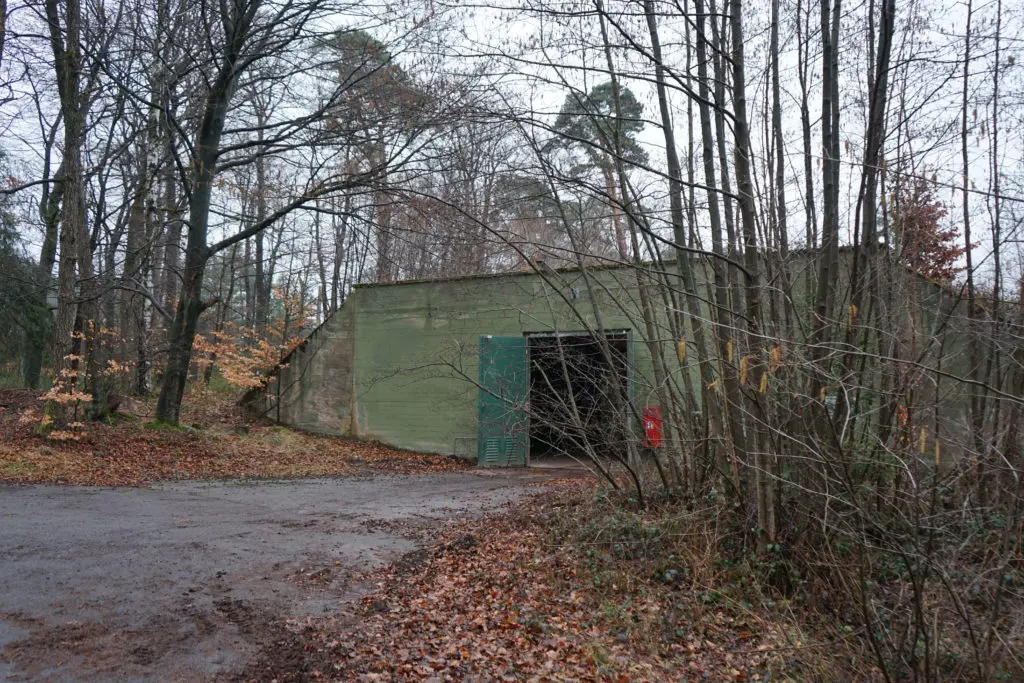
[568, 370]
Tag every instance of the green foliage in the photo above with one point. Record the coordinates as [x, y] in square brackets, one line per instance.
[374, 87]
[162, 426]
[590, 122]
[23, 311]
[221, 386]
[14, 469]
[10, 378]
[359, 54]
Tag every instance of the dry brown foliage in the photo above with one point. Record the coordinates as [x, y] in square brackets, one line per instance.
[523, 594]
[223, 443]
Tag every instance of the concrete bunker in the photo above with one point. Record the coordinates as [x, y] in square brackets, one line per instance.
[444, 366]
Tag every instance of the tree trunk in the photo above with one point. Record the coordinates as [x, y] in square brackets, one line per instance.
[642, 276]
[828, 261]
[386, 271]
[74, 272]
[170, 263]
[683, 262]
[810, 212]
[181, 335]
[732, 404]
[3, 29]
[263, 282]
[612, 197]
[136, 260]
[780, 157]
[751, 261]
[718, 49]
[323, 304]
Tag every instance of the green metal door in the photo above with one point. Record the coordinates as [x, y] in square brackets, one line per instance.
[503, 433]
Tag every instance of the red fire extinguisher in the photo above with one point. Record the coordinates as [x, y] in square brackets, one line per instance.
[652, 426]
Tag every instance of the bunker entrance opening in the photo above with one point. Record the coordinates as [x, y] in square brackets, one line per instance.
[578, 394]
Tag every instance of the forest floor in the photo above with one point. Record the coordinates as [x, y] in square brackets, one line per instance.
[193, 581]
[396, 566]
[220, 441]
[516, 595]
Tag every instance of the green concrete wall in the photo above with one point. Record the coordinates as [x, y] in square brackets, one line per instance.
[398, 363]
[312, 388]
[416, 346]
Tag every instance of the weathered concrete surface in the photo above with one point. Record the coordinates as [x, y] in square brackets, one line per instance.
[187, 581]
[397, 364]
[312, 388]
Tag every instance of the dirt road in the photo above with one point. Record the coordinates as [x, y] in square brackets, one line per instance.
[189, 581]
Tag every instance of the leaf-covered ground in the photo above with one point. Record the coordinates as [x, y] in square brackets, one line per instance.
[221, 441]
[501, 598]
[550, 588]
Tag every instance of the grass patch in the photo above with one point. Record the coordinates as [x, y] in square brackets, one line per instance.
[679, 585]
[14, 468]
[162, 426]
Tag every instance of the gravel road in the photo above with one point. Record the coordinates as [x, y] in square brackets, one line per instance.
[189, 581]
